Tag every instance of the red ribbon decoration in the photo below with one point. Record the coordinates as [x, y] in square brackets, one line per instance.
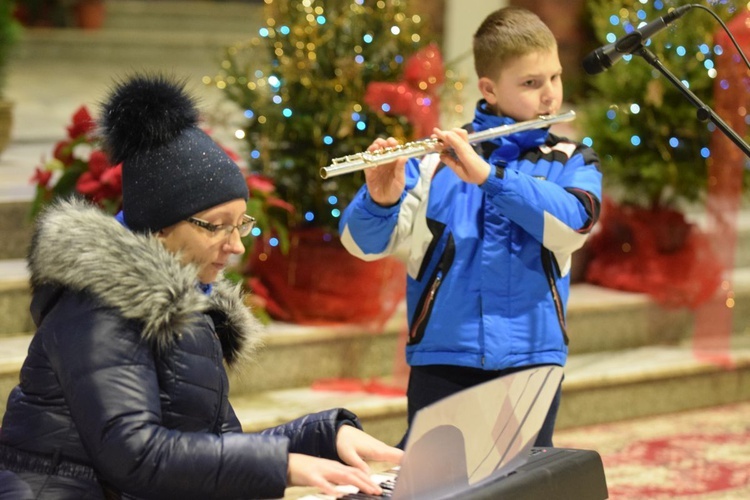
[653, 251]
[416, 96]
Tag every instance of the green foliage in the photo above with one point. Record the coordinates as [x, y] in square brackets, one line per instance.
[633, 99]
[316, 58]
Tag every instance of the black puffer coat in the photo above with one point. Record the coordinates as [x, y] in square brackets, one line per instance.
[126, 374]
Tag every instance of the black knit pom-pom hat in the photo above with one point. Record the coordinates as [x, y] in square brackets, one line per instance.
[171, 169]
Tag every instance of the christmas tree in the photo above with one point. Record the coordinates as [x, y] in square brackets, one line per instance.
[323, 79]
[652, 146]
[655, 153]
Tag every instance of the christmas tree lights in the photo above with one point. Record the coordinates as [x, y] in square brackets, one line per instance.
[302, 85]
[652, 146]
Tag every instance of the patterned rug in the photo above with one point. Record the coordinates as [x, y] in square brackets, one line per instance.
[696, 455]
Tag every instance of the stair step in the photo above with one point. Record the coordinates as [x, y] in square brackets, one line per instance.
[127, 46]
[15, 298]
[12, 353]
[293, 355]
[382, 416]
[599, 319]
[184, 16]
[17, 165]
[598, 388]
[296, 355]
[653, 380]
[179, 34]
[15, 227]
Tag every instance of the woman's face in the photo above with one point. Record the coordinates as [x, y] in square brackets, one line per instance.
[210, 252]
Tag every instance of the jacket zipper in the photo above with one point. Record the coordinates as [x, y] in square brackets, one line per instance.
[421, 318]
[417, 329]
[222, 388]
[549, 267]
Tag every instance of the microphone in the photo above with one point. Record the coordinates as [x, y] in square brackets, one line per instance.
[604, 57]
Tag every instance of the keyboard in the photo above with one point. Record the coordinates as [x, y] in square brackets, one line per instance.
[559, 473]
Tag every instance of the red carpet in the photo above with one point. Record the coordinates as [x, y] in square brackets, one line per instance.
[696, 455]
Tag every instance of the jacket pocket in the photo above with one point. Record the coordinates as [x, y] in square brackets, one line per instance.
[423, 311]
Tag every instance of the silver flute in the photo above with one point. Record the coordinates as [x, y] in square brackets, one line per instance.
[361, 161]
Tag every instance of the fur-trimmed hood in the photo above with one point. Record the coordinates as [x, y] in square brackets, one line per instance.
[77, 246]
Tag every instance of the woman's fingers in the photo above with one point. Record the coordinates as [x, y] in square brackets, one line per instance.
[305, 470]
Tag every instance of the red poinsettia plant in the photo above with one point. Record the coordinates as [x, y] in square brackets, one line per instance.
[79, 166]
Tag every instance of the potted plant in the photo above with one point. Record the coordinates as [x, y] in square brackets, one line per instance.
[41, 13]
[89, 14]
[654, 153]
[85, 14]
[322, 80]
[9, 33]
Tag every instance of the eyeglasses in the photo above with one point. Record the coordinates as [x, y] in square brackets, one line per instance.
[243, 228]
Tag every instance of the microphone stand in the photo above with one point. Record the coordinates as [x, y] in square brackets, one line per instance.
[704, 112]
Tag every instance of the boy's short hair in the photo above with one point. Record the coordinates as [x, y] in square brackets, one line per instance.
[508, 33]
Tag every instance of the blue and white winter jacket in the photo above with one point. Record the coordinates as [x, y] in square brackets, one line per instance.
[488, 266]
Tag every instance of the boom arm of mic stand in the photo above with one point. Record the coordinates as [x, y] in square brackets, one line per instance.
[704, 112]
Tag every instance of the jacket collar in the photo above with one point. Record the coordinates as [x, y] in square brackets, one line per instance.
[77, 246]
[508, 146]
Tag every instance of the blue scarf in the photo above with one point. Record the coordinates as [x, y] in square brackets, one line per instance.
[205, 288]
[509, 147]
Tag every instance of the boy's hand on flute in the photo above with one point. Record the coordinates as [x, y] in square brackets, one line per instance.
[386, 182]
[456, 152]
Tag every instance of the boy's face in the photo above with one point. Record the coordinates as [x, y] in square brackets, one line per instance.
[528, 86]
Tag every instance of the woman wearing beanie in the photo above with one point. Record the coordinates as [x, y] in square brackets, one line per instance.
[124, 393]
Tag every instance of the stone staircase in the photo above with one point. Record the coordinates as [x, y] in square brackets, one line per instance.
[54, 71]
[629, 357]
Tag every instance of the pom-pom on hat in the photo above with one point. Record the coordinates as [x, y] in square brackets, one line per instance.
[171, 169]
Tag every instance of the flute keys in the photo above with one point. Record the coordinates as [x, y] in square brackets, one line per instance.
[346, 159]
